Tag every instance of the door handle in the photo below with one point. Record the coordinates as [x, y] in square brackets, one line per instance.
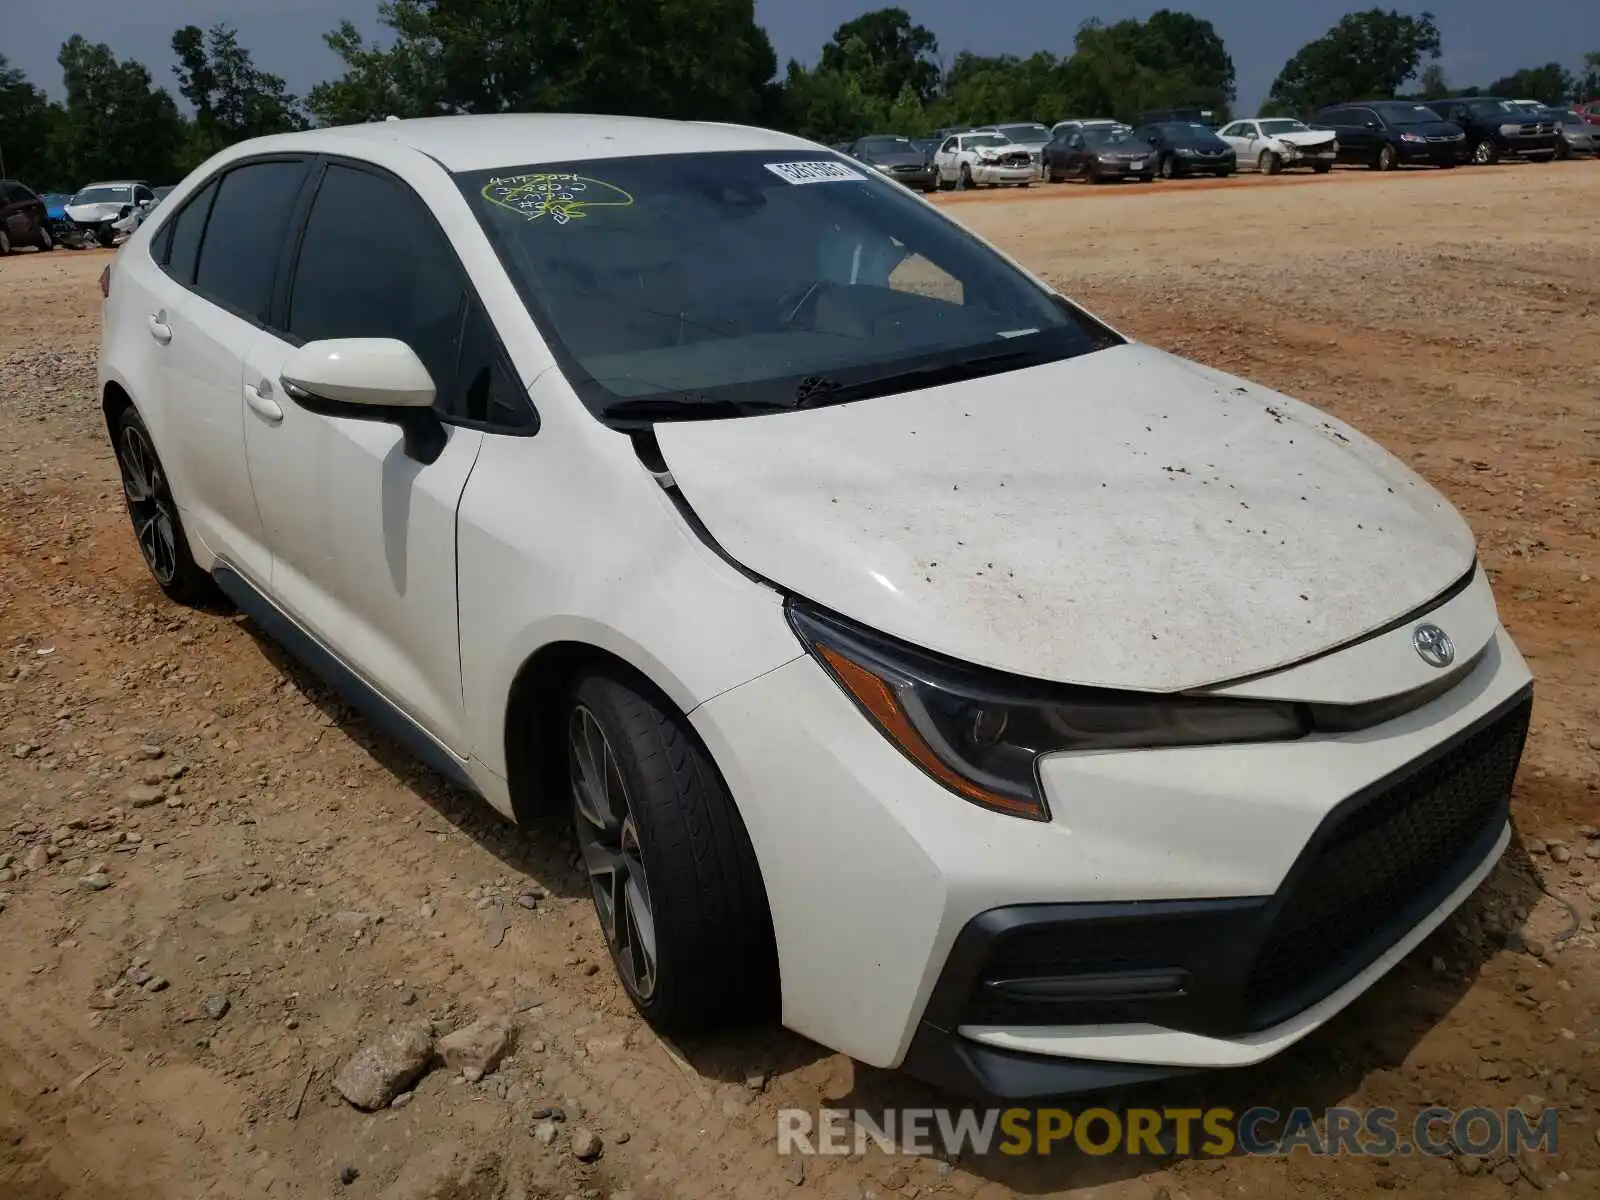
[259, 398]
[159, 329]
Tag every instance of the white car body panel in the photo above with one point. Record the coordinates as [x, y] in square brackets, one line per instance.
[823, 793]
[1122, 519]
[1294, 147]
[1192, 514]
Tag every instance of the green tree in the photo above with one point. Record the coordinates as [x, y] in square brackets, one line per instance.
[1170, 60]
[27, 121]
[116, 123]
[233, 99]
[668, 58]
[887, 53]
[1550, 84]
[1588, 84]
[1366, 56]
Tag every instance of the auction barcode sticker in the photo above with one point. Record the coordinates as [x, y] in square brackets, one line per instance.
[813, 172]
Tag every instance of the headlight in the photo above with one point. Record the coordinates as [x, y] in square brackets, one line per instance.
[981, 733]
[1510, 130]
[1413, 137]
[1110, 159]
[1186, 151]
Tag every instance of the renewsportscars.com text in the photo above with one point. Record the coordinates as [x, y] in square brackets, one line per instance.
[1374, 1132]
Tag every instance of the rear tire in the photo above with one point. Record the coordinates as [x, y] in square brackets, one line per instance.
[5, 243]
[154, 513]
[673, 876]
[45, 242]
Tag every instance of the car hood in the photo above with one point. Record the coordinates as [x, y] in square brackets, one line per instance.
[1123, 519]
[1305, 137]
[91, 213]
[900, 158]
[1430, 129]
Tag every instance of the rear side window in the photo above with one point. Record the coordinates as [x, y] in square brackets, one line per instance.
[244, 237]
[373, 263]
[182, 238]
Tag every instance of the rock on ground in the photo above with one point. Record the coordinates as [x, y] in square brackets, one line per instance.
[381, 1070]
[476, 1048]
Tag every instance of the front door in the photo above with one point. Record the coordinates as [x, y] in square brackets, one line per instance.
[363, 537]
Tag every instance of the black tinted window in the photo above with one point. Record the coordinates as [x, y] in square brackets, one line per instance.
[375, 264]
[244, 237]
[486, 390]
[182, 238]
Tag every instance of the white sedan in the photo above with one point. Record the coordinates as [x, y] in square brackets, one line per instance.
[915, 656]
[968, 159]
[1272, 143]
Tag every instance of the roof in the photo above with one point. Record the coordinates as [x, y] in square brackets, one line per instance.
[475, 143]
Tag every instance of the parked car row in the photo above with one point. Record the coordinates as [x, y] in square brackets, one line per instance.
[1381, 134]
[97, 214]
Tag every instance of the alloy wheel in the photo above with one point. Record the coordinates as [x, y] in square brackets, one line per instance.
[1483, 153]
[150, 506]
[609, 837]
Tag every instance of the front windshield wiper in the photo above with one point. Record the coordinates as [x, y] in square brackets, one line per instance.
[683, 406]
[816, 390]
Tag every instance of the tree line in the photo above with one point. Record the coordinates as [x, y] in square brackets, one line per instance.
[691, 59]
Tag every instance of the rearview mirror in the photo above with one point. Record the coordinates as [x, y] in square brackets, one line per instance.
[368, 379]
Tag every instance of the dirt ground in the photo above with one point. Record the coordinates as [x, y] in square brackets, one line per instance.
[261, 847]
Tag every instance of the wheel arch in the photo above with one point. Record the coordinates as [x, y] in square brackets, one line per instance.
[114, 401]
[535, 766]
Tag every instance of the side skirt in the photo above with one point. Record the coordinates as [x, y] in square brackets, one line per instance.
[378, 709]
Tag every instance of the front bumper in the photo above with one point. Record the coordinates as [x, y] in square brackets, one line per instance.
[922, 178]
[1434, 153]
[1125, 169]
[874, 872]
[1033, 996]
[997, 173]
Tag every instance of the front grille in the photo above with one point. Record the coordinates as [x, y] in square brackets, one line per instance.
[1382, 868]
[1020, 159]
[1445, 137]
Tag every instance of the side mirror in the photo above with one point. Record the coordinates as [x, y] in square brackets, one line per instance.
[368, 379]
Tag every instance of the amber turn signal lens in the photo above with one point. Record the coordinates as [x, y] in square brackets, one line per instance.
[878, 698]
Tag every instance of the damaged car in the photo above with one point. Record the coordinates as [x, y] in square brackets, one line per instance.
[1274, 144]
[107, 211]
[917, 658]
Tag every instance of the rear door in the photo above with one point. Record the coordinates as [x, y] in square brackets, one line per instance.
[208, 308]
[363, 537]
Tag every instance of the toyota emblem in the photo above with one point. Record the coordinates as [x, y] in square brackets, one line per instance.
[1433, 645]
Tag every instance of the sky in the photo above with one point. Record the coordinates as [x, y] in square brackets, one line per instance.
[1480, 44]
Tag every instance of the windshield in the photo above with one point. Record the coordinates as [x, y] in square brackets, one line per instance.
[1494, 108]
[1283, 125]
[1026, 134]
[738, 277]
[1407, 114]
[887, 145]
[1108, 137]
[986, 139]
[104, 195]
[1185, 133]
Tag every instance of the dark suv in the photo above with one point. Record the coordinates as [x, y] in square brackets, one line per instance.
[1495, 128]
[1385, 134]
[23, 219]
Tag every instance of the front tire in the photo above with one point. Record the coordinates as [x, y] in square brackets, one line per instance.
[45, 242]
[1270, 163]
[673, 876]
[1486, 153]
[1388, 159]
[1322, 168]
[156, 524]
[965, 182]
[5, 243]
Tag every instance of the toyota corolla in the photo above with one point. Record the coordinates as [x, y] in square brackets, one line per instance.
[919, 658]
